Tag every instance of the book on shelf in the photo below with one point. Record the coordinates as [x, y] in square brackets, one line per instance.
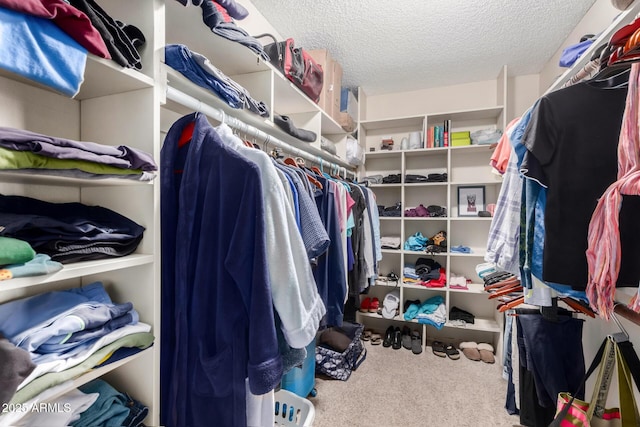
[446, 133]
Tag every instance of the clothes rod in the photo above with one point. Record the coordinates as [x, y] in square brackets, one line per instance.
[623, 311]
[219, 115]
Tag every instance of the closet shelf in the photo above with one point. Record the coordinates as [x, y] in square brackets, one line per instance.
[486, 325]
[97, 373]
[385, 185]
[423, 253]
[426, 184]
[42, 179]
[79, 269]
[421, 152]
[391, 251]
[383, 154]
[105, 77]
[494, 182]
[101, 77]
[180, 83]
[390, 218]
[423, 288]
[479, 218]
[419, 218]
[472, 148]
[474, 288]
[476, 252]
[466, 115]
[399, 122]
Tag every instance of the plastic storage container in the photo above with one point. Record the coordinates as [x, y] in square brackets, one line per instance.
[302, 380]
[293, 410]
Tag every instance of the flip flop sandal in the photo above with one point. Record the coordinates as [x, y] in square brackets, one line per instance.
[376, 339]
[438, 349]
[452, 352]
[486, 353]
[470, 350]
[366, 335]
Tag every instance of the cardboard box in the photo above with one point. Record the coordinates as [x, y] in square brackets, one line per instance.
[332, 81]
[460, 142]
[346, 122]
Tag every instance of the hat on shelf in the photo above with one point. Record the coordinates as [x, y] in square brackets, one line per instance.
[391, 304]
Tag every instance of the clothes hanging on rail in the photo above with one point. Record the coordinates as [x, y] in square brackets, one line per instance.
[217, 317]
[572, 144]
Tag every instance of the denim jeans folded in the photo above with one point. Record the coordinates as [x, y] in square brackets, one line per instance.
[409, 178]
[180, 58]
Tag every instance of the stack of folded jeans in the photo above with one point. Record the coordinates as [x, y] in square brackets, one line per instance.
[392, 179]
[112, 408]
[69, 232]
[391, 211]
[202, 72]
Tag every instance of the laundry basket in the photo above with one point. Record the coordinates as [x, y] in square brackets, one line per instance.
[293, 410]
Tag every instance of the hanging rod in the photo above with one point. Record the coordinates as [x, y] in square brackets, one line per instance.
[233, 122]
[624, 311]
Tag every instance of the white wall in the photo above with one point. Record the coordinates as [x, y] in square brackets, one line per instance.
[434, 100]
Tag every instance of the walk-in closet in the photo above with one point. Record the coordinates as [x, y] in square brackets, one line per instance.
[229, 213]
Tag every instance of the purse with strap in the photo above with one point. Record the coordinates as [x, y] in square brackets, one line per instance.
[575, 412]
[296, 65]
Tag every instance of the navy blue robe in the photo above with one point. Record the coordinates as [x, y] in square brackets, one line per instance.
[217, 313]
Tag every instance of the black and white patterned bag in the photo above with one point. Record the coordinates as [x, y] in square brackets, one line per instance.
[340, 365]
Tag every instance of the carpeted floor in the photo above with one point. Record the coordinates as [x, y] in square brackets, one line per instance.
[395, 388]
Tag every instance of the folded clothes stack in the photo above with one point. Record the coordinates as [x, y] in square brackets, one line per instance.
[457, 314]
[431, 312]
[18, 259]
[432, 177]
[431, 211]
[391, 211]
[390, 242]
[486, 136]
[392, 179]
[373, 179]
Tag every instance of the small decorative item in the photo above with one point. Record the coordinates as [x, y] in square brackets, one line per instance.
[470, 200]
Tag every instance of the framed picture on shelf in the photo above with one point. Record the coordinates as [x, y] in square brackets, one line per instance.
[470, 200]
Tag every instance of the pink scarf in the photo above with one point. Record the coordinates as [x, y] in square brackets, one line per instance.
[604, 252]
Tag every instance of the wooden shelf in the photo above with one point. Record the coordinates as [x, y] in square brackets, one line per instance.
[426, 184]
[383, 154]
[494, 182]
[465, 115]
[472, 218]
[400, 122]
[474, 288]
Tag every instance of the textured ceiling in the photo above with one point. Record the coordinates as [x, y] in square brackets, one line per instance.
[391, 46]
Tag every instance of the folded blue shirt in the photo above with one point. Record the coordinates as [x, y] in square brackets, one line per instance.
[36, 48]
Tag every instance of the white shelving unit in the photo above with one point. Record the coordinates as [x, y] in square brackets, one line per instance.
[465, 166]
[115, 106]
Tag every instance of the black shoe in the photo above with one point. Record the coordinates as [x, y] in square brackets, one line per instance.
[397, 339]
[406, 338]
[388, 337]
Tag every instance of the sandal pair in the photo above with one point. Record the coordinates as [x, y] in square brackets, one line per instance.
[374, 337]
[445, 350]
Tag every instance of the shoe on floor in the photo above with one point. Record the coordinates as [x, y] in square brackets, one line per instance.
[438, 349]
[376, 339]
[486, 353]
[452, 352]
[388, 337]
[470, 350]
[406, 338]
[397, 339]
[416, 342]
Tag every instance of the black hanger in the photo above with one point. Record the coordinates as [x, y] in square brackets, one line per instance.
[612, 77]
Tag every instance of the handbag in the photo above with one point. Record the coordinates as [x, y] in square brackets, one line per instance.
[575, 412]
[339, 365]
[296, 65]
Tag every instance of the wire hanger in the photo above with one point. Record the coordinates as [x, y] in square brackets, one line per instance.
[623, 335]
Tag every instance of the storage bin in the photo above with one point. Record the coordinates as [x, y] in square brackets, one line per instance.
[293, 410]
[301, 380]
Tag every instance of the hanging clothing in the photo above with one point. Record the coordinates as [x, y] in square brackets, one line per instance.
[217, 315]
[293, 288]
[573, 136]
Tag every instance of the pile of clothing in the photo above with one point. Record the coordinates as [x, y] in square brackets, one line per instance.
[19, 259]
[425, 272]
[430, 312]
[65, 334]
[390, 211]
[431, 211]
[436, 244]
[432, 177]
[70, 29]
[69, 232]
[198, 69]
